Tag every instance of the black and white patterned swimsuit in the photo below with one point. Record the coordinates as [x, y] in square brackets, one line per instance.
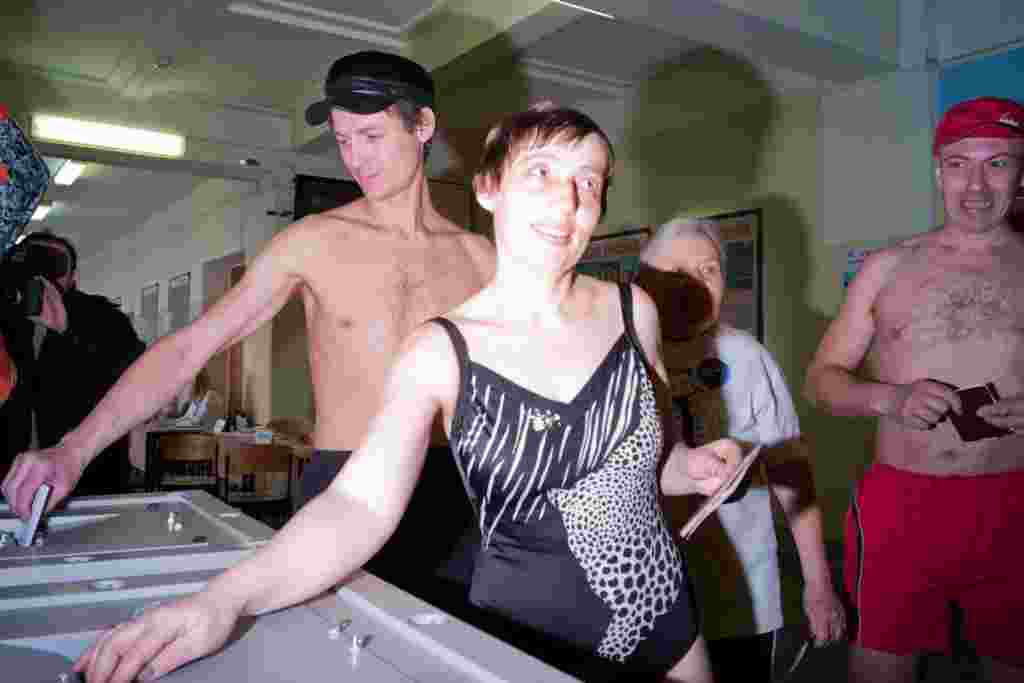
[574, 541]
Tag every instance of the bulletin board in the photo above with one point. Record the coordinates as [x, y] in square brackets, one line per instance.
[743, 306]
[614, 257]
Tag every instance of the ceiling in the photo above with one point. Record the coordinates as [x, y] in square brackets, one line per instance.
[108, 201]
[235, 75]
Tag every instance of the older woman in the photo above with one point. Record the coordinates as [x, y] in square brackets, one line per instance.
[727, 384]
[545, 381]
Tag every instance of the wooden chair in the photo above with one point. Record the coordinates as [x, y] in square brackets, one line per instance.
[257, 479]
[186, 460]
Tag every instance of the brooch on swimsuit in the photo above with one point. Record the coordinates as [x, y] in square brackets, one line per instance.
[541, 420]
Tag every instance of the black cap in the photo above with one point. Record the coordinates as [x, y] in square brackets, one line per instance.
[369, 82]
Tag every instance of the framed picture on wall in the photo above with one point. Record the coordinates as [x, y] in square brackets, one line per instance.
[149, 302]
[179, 292]
[314, 194]
[614, 257]
[743, 306]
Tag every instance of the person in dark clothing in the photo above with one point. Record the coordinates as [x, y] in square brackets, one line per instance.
[67, 357]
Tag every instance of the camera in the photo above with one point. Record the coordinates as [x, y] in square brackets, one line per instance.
[21, 291]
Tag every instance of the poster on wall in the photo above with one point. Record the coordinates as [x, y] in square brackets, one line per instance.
[614, 257]
[743, 306]
[852, 264]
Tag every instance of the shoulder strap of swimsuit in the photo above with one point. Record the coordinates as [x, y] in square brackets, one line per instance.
[626, 297]
[461, 402]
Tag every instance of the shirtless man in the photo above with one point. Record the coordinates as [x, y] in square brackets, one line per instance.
[368, 273]
[936, 520]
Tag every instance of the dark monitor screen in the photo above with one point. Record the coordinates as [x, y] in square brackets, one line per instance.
[314, 194]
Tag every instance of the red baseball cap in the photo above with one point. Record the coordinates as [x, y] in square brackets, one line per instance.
[984, 117]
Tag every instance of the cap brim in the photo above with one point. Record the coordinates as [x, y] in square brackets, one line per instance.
[318, 112]
[989, 129]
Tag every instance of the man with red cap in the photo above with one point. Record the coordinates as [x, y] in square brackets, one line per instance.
[930, 340]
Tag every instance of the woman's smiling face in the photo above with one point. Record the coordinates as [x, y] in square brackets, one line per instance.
[549, 201]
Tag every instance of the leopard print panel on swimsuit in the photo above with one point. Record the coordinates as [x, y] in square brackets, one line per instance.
[635, 572]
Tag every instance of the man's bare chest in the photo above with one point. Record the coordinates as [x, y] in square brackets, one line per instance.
[390, 296]
[949, 306]
[419, 293]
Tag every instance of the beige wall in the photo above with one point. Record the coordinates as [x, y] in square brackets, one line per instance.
[876, 143]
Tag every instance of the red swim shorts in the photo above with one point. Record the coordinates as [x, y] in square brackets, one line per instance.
[917, 544]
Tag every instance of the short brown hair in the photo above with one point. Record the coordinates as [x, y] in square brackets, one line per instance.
[537, 126]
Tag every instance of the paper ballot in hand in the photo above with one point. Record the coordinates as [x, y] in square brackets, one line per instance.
[714, 501]
[27, 532]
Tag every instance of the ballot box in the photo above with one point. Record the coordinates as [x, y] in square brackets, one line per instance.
[107, 559]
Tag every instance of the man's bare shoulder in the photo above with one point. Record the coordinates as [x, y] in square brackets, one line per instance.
[480, 249]
[442, 226]
[313, 235]
[477, 242]
[880, 264]
[896, 253]
[344, 221]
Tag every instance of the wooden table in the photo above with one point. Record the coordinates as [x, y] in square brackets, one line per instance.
[238, 460]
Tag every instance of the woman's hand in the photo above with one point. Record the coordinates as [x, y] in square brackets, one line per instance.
[159, 641]
[711, 465]
[700, 470]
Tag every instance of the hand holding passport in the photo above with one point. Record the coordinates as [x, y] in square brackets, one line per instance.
[968, 424]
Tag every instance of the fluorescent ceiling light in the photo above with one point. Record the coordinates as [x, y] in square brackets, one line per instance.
[69, 172]
[41, 211]
[107, 136]
[586, 9]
